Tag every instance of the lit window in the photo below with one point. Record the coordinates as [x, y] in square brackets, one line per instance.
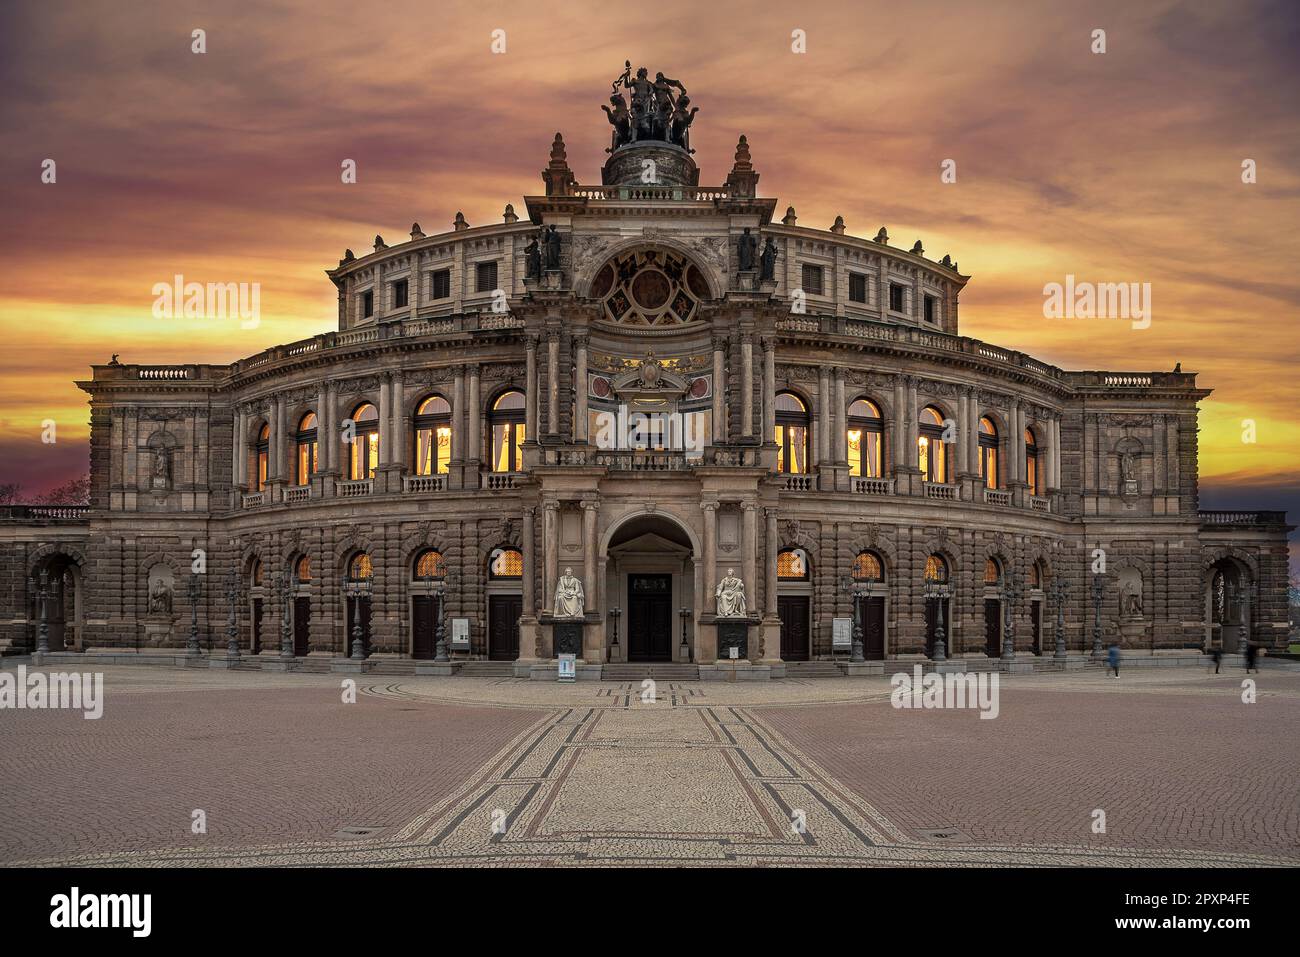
[936, 569]
[506, 563]
[988, 449]
[865, 439]
[261, 457]
[507, 423]
[1031, 463]
[303, 569]
[307, 448]
[430, 565]
[791, 434]
[792, 564]
[363, 459]
[360, 569]
[867, 567]
[932, 452]
[992, 571]
[433, 436]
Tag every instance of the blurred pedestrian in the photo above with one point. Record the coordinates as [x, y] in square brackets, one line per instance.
[1112, 658]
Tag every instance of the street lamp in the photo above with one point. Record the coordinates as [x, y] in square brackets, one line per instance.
[1097, 587]
[42, 595]
[685, 615]
[358, 588]
[232, 627]
[1011, 591]
[936, 592]
[855, 589]
[614, 614]
[196, 588]
[1059, 590]
[441, 650]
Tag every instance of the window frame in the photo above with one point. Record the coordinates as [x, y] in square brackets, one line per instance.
[512, 421]
[865, 425]
[783, 421]
[432, 422]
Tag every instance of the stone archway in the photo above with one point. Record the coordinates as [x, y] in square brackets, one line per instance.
[650, 579]
[64, 588]
[1228, 608]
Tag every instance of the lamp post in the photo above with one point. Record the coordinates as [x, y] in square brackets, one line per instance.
[42, 595]
[232, 626]
[286, 601]
[441, 651]
[1097, 587]
[1011, 591]
[937, 592]
[192, 645]
[855, 590]
[614, 614]
[358, 588]
[685, 653]
[1059, 590]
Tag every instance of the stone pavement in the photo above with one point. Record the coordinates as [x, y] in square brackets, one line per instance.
[464, 771]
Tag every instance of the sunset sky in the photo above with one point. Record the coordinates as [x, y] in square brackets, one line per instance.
[224, 166]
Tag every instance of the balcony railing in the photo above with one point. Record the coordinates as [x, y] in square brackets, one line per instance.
[501, 481]
[643, 461]
[424, 483]
[800, 483]
[45, 513]
[297, 493]
[355, 488]
[1040, 504]
[942, 491]
[254, 499]
[873, 486]
[1215, 517]
[994, 496]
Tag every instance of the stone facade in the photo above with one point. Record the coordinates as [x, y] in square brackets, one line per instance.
[651, 316]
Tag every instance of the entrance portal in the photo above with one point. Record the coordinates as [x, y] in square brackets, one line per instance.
[649, 617]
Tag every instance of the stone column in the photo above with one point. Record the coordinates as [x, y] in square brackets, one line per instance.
[589, 555]
[1057, 460]
[580, 389]
[322, 429]
[333, 453]
[841, 443]
[747, 384]
[719, 390]
[460, 422]
[527, 543]
[385, 422]
[825, 400]
[553, 382]
[397, 450]
[773, 547]
[749, 553]
[474, 407]
[902, 456]
[238, 448]
[550, 546]
[279, 442]
[710, 552]
[530, 388]
[913, 419]
[767, 429]
[963, 428]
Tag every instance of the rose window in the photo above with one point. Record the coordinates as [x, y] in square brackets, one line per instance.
[650, 288]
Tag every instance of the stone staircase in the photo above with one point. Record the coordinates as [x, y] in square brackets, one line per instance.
[812, 669]
[486, 669]
[659, 670]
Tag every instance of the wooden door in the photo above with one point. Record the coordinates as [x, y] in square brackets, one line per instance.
[650, 618]
[873, 627]
[301, 626]
[992, 627]
[424, 626]
[503, 626]
[793, 612]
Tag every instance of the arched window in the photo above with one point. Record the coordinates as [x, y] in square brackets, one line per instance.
[360, 568]
[505, 563]
[257, 573]
[988, 448]
[507, 422]
[868, 567]
[307, 448]
[936, 569]
[932, 453]
[1031, 463]
[261, 457]
[992, 571]
[433, 436]
[363, 459]
[429, 565]
[302, 570]
[792, 565]
[1036, 575]
[865, 439]
[791, 433]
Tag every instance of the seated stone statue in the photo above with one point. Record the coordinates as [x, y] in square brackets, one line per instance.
[731, 596]
[568, 596]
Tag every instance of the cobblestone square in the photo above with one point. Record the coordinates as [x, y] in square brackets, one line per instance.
[478, 771]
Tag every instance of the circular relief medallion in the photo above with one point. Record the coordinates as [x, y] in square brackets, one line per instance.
[600, 387]
[651, 289]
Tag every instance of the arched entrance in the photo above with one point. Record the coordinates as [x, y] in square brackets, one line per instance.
[650, 587]
[59, 575]
[1227, 605]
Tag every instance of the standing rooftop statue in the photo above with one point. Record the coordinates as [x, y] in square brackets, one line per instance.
[660, 110]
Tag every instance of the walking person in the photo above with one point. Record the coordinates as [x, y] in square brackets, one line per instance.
[1251, 651]
[1112, 658]
[1217, 654]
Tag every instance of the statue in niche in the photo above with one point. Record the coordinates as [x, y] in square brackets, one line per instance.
[1128, 468]
[746, 248]
[767, 269]
[160, 598]
[1133, 603]
[533, 259]
[569, 597]
[730, 594]
[161, 468]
